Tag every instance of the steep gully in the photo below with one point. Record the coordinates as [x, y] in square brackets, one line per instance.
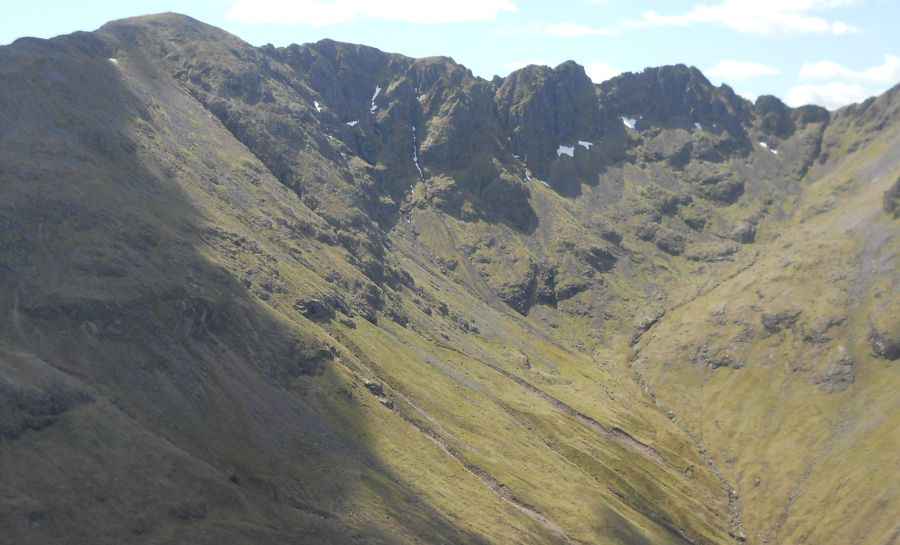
[614, 434]
[734, 507]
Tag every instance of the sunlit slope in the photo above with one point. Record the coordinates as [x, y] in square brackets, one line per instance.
[176, 367]
[787, 372]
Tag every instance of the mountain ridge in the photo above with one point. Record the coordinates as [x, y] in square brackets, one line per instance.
[322, 258]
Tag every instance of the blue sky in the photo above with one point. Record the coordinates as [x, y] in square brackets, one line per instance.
[828, 52]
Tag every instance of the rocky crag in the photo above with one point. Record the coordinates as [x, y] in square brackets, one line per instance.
[328, 294]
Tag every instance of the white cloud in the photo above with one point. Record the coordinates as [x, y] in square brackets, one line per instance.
[599, 71]
[735, 70]
[324, 12]
[556, 30]
[841, 85]
[765, 17]
[888, 72]
[832, 95]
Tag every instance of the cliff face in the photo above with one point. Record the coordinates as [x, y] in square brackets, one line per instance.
[326, 293]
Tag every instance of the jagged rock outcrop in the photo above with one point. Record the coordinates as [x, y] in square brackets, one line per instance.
[242, 285]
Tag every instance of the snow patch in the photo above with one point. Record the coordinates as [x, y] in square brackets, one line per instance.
[766, 145]
[316, 104]
[629, 122]
[545, 183]
[698, 126]
[112, 60]
[374, 96]
[527, 172]
[565, 150]
[352, 123]
[585, 144]
[415, 154]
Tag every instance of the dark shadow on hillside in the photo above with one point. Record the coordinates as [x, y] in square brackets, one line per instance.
[161, 399]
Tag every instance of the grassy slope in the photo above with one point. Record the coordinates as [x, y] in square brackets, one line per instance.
[232, 416]
[812, 454]
[202, 406]
[502, 427]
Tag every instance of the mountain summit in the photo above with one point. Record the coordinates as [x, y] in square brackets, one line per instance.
[327, 294]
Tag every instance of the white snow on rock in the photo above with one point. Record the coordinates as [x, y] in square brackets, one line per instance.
[374, 95]
[114, 61]
[353, 123]
[545, 183]
[698, 126]
[766, 145]
[565, 150]
[629, 122]
[416, 153]
[585, 144]
[316, 104]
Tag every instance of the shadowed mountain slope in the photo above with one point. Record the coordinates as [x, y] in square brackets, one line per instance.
[328, 294]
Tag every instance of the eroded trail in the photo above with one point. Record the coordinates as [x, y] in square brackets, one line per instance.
[615, 434]
[394, 398]
[500, 490]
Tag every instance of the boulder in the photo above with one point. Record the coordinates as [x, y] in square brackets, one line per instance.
[315, 309]
[884, 344]
[773, 323]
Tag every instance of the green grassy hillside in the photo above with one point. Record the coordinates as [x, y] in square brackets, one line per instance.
[243, 301]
